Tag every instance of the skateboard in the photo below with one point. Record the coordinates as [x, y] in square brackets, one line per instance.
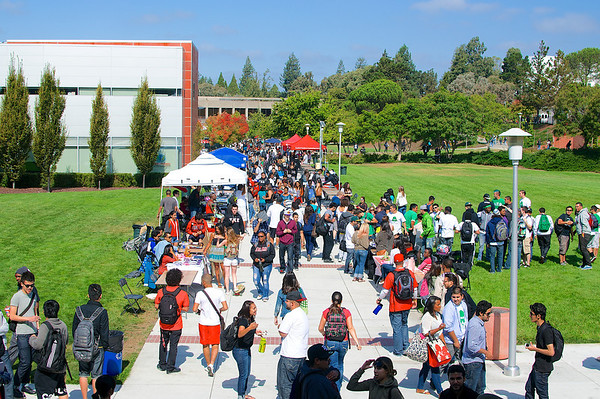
[239, 290]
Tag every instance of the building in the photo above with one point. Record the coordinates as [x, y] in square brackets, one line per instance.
[210, 106]
[171, 68]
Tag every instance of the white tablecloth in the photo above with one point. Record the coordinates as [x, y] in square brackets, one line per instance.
[197, 267]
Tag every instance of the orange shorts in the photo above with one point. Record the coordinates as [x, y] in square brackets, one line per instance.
[209, 335]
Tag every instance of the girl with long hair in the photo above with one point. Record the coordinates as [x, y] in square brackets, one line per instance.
[329, 327]
[310, 219]
[247, 328]
[216, 252]
[401, 200]
[360, 239]
[431, 325]
[230, 262]
[289, 283]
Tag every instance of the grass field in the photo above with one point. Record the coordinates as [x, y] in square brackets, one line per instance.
[569, 293]
[72, 239]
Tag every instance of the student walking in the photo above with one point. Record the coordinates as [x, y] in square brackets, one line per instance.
[544, 350]
[242, 353]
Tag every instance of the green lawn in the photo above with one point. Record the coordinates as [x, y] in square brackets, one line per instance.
[72, 239]
[567, 292]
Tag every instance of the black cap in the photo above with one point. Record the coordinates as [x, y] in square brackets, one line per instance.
[317, 351]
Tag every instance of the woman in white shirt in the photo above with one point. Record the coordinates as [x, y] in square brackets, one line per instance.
[401, 200]
[432, 326]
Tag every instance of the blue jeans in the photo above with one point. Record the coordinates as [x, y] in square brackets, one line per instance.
[429, 242]
[399, 321]
[402, 209]
[287, 370]
[537, 382]
[289, 249]
[496, 257]
[8, 387]
[251, 211]
[243, 358]
[435, 377]
[385, 269]
[475, 376]
[24, 367]
[337, 358]
[508, 263]
[361, 258]
[349, 258]
[261, 279]
[482, 247]
[309, 242]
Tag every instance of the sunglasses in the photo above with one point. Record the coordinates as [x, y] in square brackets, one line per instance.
[28, 285]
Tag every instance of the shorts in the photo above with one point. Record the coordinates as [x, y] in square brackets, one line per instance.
[230, 262]
[94, 367]
[527, 246]
[272, 232]
[594, 241]
[563, 244]
[48, 385]
[209, 335]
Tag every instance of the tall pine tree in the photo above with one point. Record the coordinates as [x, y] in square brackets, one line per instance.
[16, 129]
[249, 86]
[291, 72]
[233, 89]
[221, 81]
[99, 136]
[145, 130]
[50, 133]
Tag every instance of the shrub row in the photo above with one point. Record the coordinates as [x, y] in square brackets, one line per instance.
[68, 180]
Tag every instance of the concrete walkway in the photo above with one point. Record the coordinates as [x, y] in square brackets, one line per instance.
[577, 375]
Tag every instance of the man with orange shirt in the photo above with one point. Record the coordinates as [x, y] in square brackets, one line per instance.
[403, 286]
[170, 302]
[196, 228]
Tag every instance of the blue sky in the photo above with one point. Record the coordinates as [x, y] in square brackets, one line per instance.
[320, 33]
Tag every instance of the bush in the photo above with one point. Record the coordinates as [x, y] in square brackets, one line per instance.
[69, 180]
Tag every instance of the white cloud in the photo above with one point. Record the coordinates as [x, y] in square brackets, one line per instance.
[452, 5]
[568, 23]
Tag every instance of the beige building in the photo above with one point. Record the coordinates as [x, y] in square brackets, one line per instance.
[209, 106]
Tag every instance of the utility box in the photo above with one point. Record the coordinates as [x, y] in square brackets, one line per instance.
[496, 332]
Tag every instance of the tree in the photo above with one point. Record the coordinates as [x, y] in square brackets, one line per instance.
[290, 116]
[233, 89]
[221, 81]
[145, 130]
[210, 90]
[341, 69]
[402, 122]
[226, 129]
[291, 72]
[50, 133]
[98, 140]
[537, 84]
[469, 58]
[303, 83]
[261, 125]
[360, 63]
[590, 124]
[515, 68]
[16, 130]
[249, 86]
[585, 65]
[375, 95]
[575, 109]
[468, 84]
[274, 92]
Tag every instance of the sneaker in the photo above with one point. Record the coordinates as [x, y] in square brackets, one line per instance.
[593, 259]
[563, 263]
[17, 393]
[265, 299]
[173, 370]
[161, 368]
[586, 267]
[308, 258]
[328, 260]
[31, 391]
[210, 370]
[281, 271]
[259, 297]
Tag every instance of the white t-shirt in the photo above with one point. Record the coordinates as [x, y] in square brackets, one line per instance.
[208, 316]
[295, 325]
[348, 236]
[448, 223]
[274, 215]
[401, 200]
[536, 225]
[525, 202]
[475, 230]
[428, 322]
[396, 221]
[529, 222]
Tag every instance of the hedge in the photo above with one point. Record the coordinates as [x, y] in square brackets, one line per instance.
[69, 180]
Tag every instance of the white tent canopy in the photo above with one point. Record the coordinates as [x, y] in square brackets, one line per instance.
[206, 170]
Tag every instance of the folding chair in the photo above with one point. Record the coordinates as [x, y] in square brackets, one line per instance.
[132, 299]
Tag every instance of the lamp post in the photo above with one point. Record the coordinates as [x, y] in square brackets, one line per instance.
[307, 126]
[515, 138]
[340, 126]
[321, 127]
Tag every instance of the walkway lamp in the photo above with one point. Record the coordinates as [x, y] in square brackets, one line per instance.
[340, 126]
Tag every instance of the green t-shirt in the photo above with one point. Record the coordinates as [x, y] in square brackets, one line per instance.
[497, 202]
[367, 217]
[410, 216]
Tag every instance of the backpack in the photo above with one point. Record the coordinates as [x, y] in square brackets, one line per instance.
[559, 344]
[501, 232]
[229, 336]
[593, 220]
[84, 342]
[311, 194]
[403, 285]
[168, 308]
[343, 222]
[544, 225]
[522, 232]
[321, 226]
[466, 231]
[336, 328]
[51, 358]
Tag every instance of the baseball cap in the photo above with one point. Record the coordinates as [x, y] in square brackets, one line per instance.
[486, 196]
[294, 296]
[468, 204]
[22, 270]
[488, 206]
[317, 351]
[287, 212]
[354, 218]
[597, 206]
[496, 212]
[423, 207]
[398, 258]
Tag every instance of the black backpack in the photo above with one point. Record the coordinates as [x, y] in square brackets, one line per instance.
[466, 231]
[51, 358]
[403, 285]
[229, 336]
[559, 344]
[168, 308]
[322, 227]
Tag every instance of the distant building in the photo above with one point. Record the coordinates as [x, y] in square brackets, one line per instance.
[210, 106]
[172, 71]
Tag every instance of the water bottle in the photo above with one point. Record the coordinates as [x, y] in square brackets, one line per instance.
[377, 308]
[263, 344]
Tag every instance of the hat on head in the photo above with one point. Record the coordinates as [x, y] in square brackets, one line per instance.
[597, 206]
[287, 212]
[317, 351]
[486, 196]
[468, 204]
[488, 206]
[497, 191]
[398, 258]
[22, 270]
[496, 212]
[294, 296]
[354, 218]
[423, 207]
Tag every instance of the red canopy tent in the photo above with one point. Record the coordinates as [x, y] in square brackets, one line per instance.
[306, 143]
[291, 140]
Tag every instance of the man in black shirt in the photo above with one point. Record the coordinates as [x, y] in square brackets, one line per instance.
[486, 201]
[544, 350]
[234, 220]
[564, 231]
[457, 390]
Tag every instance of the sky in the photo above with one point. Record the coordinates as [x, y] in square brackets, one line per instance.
[319, 33]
